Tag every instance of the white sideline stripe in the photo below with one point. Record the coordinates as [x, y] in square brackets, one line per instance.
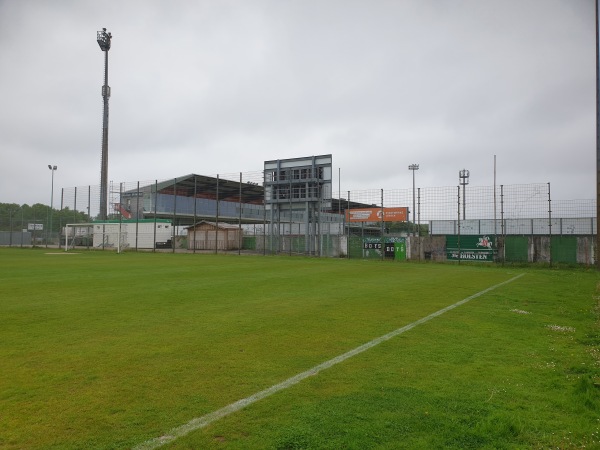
[201, 422]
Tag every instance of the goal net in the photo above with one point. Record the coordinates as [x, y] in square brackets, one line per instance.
[79, 235]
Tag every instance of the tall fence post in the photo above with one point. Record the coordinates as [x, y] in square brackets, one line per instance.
[174, 226]
[47, 226]
[89, 219]
[419, 237]
[22, 225]
[549, 224]
[458, 223]
[155, 209]
[62, 196]
[240, 232]
[502, 228]
[137, 216]
[75, 206]
[264, 237]
[119, 235]
[195, 214]
[11, 214]
[217, 219]
[597, 36]
[348, 223]
[382, 240]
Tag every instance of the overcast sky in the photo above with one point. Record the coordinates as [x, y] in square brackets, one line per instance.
[220, 86]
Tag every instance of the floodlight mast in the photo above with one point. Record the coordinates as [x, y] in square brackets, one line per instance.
[104, 41]
[463, 177]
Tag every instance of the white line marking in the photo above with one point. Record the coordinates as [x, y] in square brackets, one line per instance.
[201, 422]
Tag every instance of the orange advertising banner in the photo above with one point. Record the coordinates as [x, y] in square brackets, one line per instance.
[374, 215]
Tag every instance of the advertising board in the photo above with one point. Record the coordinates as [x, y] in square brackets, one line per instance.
[374, 214]
[470, 248]
[392, 247]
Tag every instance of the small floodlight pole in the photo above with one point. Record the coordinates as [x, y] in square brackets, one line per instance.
[104, 40]
[413, 167]
[463, 176]
[52, 168]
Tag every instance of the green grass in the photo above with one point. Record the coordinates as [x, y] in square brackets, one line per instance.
[99, 350]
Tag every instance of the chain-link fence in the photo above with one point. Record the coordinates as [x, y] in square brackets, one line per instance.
[513, 223]
[230, 213]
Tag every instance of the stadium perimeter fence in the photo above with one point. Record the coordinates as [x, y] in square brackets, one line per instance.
[229, 213]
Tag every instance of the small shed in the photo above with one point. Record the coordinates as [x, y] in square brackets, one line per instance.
[206, 235]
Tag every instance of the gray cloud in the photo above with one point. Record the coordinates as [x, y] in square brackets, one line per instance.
[219, 87]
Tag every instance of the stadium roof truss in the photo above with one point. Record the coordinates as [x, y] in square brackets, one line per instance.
[208, 187]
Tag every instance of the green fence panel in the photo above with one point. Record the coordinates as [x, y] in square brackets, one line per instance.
[355, 247]
[326, 245]
[249, 243]
[564, 249]
[516, 248]
[299, 244]
[400, 250]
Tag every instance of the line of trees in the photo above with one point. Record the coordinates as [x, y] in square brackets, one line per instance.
[14, 217]
[407, 228]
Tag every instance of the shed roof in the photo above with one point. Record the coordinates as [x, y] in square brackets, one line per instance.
[220, 225]
[113, 221]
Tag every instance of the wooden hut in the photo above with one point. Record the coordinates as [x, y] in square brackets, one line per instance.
[206, 235]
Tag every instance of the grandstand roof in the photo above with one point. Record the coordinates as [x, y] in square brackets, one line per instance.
[229, 190]
[205, 186]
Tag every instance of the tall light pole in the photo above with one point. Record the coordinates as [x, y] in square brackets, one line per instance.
[104, 40]
[52, 168]
[596, 12]
[463, 177]
[413, 167]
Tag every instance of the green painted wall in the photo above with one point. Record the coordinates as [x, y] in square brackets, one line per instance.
[564, 249]
[516, 248]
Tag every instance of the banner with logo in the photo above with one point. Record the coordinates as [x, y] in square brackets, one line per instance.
[472, 248]
[374, 214]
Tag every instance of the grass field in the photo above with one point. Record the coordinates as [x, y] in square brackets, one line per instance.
[104, 350]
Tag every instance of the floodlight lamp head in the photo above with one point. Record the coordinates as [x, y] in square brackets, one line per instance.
[104, 39]
[49, 167]
[413, 167]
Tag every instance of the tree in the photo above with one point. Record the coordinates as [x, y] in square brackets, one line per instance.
[15, 217]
